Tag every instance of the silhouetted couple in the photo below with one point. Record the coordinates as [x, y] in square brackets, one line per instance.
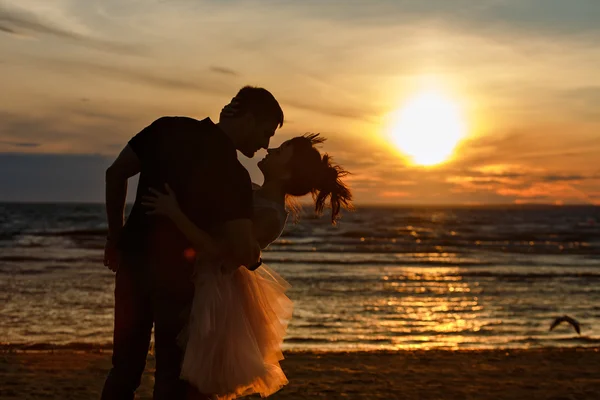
[187, 260]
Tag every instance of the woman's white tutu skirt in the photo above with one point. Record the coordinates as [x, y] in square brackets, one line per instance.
[236, 328]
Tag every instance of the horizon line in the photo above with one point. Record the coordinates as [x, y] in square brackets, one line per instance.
[412, 205]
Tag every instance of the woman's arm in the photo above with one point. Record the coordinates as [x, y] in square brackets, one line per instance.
[266, 226]
[167, 205]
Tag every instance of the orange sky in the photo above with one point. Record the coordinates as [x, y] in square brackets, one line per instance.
[83, 77]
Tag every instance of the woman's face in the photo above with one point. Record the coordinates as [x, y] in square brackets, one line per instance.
[275, 165]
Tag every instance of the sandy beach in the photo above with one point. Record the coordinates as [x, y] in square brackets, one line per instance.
[436, 374]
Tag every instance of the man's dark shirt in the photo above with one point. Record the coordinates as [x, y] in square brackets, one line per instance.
[199, 162]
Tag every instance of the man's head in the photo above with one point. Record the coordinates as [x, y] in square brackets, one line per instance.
[256, 120]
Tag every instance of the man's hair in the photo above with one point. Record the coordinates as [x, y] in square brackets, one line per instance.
[261, 103]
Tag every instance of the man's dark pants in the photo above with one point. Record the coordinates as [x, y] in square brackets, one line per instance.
[149, 291]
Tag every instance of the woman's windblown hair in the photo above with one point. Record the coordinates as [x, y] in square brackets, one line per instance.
[317, 175]
[332, 186]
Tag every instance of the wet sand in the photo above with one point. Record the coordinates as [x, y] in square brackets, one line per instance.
[557, 374]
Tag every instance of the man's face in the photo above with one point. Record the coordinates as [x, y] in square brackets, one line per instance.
[258, 136]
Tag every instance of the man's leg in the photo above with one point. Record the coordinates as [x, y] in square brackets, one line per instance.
[132, 330]
[173, 298]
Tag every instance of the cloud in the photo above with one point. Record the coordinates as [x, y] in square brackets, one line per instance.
[522, 18]
[7, 30]
[564, 178]
[141, 76]
[582, 102]
[95, 115]
[529, 147]
[364, 114]
[585, 94]
[382, 176]
[224, 71]
[201, 84]
[69, 131]
[21, 22]
[387, 194]
[548, 193]
[528, 185]
[20, 144]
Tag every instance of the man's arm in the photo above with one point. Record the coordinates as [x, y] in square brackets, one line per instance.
[124, 167]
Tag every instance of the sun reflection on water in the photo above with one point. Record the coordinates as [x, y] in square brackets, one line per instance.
[427, 306]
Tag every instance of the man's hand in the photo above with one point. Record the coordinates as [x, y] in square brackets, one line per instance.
[239, 243]
[111, 255]
[123, 168]
[229, 266]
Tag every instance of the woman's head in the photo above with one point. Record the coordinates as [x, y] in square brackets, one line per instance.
[300, 169]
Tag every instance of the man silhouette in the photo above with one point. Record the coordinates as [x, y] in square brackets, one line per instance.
[153, 261]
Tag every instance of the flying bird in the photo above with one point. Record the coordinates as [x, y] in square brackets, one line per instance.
[566, 318]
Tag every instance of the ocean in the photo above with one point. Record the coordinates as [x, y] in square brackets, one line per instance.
[384, 278]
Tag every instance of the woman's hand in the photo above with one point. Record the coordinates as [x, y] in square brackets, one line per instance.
[161, 203]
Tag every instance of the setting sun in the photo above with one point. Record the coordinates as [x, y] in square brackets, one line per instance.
[428, 128]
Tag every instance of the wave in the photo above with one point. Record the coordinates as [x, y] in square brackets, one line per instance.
[588, 340]
[403, 263]
[66, 260]
[362, 242]
[100, 232]
[529, 275]
[333, 344]
[82, 346]
[375, 232]
[21, 258]
[305, 340]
